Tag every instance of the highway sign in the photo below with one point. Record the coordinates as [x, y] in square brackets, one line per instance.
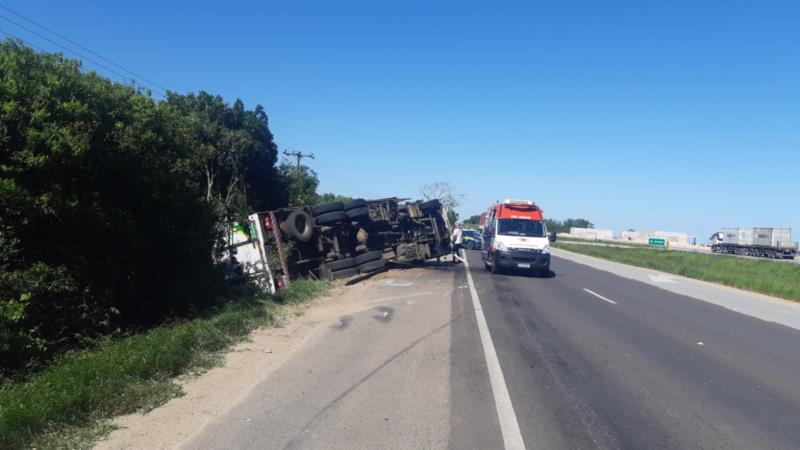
[657, 242]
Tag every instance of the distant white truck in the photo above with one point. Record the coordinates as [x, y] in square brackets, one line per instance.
[755, 241]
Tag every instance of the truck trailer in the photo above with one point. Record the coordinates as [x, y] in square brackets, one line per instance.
[755, 241]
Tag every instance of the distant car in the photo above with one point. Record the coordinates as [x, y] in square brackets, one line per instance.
[471, 239]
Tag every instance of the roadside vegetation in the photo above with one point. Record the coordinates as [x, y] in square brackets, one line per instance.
[69, 402]
[112, 204]
[767, 277]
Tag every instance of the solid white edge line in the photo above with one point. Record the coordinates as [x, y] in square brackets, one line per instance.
[600, 296]
[509, 427]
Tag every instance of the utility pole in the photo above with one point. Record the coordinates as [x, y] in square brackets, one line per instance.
[299, 156]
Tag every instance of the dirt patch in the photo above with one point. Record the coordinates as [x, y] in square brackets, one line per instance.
[216, 391]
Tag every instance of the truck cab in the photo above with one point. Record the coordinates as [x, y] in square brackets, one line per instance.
[515, 238]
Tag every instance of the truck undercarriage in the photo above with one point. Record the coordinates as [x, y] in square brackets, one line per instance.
[338, 240]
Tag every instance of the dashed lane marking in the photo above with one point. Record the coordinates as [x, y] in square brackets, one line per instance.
[600, 296]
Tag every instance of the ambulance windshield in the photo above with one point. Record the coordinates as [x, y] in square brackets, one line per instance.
[520, 227]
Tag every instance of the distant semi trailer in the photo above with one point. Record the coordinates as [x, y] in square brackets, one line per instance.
[755, 241]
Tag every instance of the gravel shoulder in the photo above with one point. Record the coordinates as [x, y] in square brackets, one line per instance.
[214, 392]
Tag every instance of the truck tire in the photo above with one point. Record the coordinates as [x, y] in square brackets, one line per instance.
[344, 273]
[356, 213]
[331, 218]
[367, 257]
[341, 264]
[372, 266]
[494, 269]
[430, 204]
[299, 225]
[326, 208]
[353, 204]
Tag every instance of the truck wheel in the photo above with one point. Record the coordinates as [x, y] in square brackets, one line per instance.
[353, 204]
[299, 225]
[356, 213]
[344, 273]
[372, 266]
[326, 208]
[340, 264]
[367, 257]
[430, 204]
[494, 268]
[331, 217]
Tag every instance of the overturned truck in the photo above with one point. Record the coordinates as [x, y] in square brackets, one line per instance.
[336, 240]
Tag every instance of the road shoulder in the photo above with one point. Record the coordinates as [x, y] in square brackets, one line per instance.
[211, 394]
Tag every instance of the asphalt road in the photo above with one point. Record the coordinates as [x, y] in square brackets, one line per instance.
[589, 359]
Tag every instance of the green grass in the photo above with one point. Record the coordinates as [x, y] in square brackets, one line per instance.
[67, 405]
[603, 241]
[767, 277]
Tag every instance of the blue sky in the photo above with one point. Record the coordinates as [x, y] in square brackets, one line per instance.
[673, 115]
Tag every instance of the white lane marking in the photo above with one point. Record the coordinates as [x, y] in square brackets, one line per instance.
[509, 427]
[600, 296]
[398, 283]
[400, 297]
[661, 279]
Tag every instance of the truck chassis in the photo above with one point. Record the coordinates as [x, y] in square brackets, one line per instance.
[337, 240]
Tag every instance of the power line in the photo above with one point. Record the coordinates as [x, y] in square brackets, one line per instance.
[122, 76]
[333, 173]
[83, 48]
[349, 188]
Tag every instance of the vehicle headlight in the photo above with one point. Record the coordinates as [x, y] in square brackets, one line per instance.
[501, 246]
[546, 250]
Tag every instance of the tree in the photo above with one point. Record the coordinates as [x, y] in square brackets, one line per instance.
[565, 225]
[330, 198]
[110, 202]
[301, 184]
[473, 220]
[444, 191]
[452, 216]
[234, 152]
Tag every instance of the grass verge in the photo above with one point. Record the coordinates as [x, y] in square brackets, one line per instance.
[66, 405]
[602, 241]
[767, 277]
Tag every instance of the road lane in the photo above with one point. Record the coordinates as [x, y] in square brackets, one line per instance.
[653, 369]
[584, 373]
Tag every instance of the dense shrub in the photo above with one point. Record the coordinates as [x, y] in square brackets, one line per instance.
[110, 201]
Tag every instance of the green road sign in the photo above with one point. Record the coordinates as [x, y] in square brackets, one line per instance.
[656, 242]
